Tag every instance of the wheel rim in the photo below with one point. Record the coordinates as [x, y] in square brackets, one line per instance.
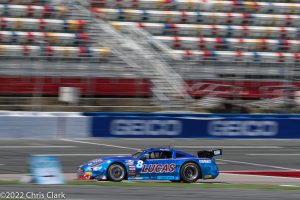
[191, 172]
[117, 172]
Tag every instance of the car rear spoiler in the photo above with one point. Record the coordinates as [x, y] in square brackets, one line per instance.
[209, 154]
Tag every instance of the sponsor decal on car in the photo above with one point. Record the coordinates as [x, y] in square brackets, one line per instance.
[165, 177]
[204, 161]
[88, 173]
[139, 164]
[130, 162]
[158, 168]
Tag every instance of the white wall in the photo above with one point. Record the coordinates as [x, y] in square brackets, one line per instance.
[43, 125]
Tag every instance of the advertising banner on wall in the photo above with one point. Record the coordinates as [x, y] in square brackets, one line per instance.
[196, 126]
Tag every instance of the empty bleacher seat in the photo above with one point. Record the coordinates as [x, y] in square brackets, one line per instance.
[19, 37]
[205, 43]
[32, 11]
[35, 28]
[53, 51]
[41, 24]
[203, 5]
[215, 30]
[24, 2]
[198, 17]
[238, 56]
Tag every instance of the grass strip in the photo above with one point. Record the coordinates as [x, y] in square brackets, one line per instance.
[9, 182]
[167, 184]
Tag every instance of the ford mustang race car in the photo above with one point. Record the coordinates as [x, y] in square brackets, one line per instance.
[153, 164]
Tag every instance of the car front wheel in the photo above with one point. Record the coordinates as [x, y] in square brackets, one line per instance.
[116, 172]
[190, 172]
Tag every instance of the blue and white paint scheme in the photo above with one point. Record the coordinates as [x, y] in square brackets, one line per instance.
[153, 164]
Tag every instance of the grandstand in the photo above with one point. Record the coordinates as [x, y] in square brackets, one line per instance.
[155, 53]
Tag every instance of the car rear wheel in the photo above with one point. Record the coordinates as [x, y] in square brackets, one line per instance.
[116, 172]
[190, 172]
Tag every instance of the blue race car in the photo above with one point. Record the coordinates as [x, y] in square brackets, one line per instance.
[153, 164]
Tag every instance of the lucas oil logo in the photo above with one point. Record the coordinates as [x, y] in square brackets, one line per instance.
[158, 168]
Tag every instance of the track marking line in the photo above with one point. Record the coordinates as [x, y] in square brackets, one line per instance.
[290, 185]
[273, 154]
[261, 176]
[256, 164]
[93, 143]
[252, 171]
[75, 154]
[221, 163]
[230, 147]
[35, 147]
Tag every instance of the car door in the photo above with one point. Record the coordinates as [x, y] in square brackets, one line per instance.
[157, 165]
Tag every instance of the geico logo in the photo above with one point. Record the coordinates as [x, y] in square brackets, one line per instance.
[158, 168]
[243, 128]
[145, 127]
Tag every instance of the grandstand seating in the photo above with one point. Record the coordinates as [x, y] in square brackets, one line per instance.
[230, 43]
[203, 5]
[218, 31]
[33, 11]
[38, 37]
[41, 24]
[199, 17]
[52, 38]
[35, 28]
[257, 31]
[215, 30]
[52, 51]
[226, 32]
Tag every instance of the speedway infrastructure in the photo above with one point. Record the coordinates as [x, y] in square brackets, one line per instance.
[278, 158]
[147, 125]
[249, 160]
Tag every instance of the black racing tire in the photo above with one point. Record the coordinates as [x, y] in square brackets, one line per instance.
[116, 172]
[190, 172]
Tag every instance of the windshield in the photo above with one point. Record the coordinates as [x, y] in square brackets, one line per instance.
[137, 154]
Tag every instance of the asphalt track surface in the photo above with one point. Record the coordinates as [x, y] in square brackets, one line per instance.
[238, 155]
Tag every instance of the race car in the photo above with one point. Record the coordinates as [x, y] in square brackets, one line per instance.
[153, 164]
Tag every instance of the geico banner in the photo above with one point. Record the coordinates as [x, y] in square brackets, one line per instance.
[136, 127]
[243, 128]
[149, 127]
[178, 126]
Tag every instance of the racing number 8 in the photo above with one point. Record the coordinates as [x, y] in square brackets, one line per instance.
[140, 164]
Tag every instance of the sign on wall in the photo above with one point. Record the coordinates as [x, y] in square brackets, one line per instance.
[196, 126]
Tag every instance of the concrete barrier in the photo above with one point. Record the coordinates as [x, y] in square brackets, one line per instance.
[43, 125]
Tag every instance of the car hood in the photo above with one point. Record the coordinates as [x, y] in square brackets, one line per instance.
[100, 160]
[118, 158]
